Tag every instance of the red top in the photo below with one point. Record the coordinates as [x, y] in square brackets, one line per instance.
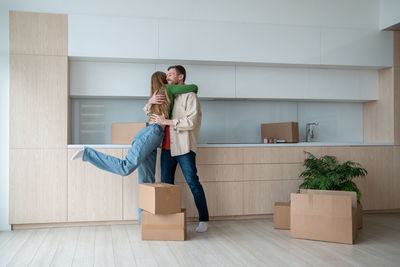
[167, 139]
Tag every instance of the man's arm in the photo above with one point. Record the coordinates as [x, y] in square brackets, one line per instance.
[188, 122]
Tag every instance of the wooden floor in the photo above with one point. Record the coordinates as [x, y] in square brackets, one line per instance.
[227, 243]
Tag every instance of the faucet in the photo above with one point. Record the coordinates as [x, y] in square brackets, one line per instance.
[310, 130]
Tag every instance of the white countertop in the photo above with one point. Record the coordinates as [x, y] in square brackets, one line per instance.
[248, 145]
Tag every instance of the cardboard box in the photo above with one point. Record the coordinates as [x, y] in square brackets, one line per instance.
[359, 216]
[164, 227]
[123, 133]
[288, 131]
[160, 198]
[323, 217]
[282, 215]
[353, 195]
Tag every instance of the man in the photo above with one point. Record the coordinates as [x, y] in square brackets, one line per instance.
[180, 143]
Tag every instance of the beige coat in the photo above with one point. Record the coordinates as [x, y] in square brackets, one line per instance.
[186, 116]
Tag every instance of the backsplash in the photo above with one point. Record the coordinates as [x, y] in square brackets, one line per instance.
[224, 121]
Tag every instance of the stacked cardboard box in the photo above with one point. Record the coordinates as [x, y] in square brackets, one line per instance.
[322, 215]
[162, 215]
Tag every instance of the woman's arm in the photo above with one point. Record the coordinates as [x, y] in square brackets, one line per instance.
[154, 99]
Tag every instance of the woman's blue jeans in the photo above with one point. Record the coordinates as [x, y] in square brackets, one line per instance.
[141, 155]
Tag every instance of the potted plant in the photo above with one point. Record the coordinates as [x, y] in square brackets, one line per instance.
[326, 173]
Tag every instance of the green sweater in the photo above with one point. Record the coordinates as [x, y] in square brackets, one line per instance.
[174, 89]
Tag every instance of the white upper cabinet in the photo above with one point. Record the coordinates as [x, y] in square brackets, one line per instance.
[239, 42]
[146, 38]
[213, 81]
[92, 78]
[356, 47]
[107, 36]
[307, 84]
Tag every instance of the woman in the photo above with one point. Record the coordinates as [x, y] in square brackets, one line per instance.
[143, 150]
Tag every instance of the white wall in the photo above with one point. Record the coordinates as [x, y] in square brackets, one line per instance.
[389, 13]
[4, 121]
[363, 14]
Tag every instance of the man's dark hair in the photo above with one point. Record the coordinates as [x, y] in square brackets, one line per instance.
[179, 70]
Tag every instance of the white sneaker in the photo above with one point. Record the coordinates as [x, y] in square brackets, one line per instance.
[203, 226]
[78, 154]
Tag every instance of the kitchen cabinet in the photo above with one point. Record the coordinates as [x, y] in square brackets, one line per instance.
[223, 198]
[38, 118]
[112, 37]
[93, 194]
[38, 33]
[38, 101]
[356, 47]
[214, 173]
[214, 81]
[110, 79]
[239, 42]
[306, 83]
[378, 188]
[260, 196]
[38, 186]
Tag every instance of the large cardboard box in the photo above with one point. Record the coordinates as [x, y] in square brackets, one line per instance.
[123, 133]
[282, 215]
[323, 217]
[288, 131]
[353, 195]
[164, 227]
[160, 198]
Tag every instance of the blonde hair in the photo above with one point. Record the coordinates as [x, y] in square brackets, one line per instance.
[159, 86]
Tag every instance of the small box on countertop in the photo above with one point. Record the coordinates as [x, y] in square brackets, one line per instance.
[123, 133]
[160, 198]
[164, 227]
[287, 131]
[282, 215]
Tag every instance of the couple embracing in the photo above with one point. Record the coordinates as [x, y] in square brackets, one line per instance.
[174, 121]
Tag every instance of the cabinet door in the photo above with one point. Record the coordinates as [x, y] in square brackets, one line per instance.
[93, 194]
[112, 37]
[379, 188]
[38, 33]
[223, 198]
[214, 173]
[38, 101]
[38, 186]
[213, 81]
[260, 196]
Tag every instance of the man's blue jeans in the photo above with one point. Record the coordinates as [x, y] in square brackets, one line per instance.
[141, 155]
[188, 166]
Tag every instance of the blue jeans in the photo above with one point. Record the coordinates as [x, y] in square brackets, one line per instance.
[188, 166]
[141, 155]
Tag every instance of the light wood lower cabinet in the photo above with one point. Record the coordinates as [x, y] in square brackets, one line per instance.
[229, 155]
[46, 186]
[223, 198]
[38, 185]
[273, 171]
[378, 187]
[214, 173]
[130, 196]
[260, 196]
[93, 194]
